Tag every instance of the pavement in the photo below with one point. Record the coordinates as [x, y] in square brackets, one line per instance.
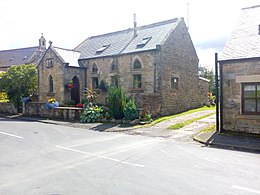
[188, 133]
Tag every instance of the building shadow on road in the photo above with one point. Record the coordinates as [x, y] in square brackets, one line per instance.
[111, 127]
[234, 142]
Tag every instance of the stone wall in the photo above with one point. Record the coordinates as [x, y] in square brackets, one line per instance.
[178, 59]
[57, 73]
[150, 103]
[61, 113]
[8, 108]
[125, 70]
[62, 75]
[233, 119]
[38, 110]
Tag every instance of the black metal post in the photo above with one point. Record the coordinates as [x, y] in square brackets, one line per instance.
[217, 92]
[221, 96]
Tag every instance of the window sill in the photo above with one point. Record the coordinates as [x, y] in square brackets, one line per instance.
[250, 117]
[136, 90]
[50, 94]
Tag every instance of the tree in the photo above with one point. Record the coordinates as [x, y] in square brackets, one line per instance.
[208, 74]
[116, 101]
[18, 82]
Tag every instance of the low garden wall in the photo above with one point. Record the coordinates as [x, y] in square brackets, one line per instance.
[7, 108]
[61, 113]
[39, 110]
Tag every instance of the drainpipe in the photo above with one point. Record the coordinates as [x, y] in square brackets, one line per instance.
[217, 92]
[221, 96]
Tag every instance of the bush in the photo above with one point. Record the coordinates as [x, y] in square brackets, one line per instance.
[146, 117]
[131, 111]
[103, 86]
[116, 102]
[91, 114]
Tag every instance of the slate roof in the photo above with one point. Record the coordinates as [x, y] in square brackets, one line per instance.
[244, 41]
[17, 56]
[122, 42]
[67, 56]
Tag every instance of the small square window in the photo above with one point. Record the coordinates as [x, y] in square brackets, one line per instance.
[175, 83]
[251, 98]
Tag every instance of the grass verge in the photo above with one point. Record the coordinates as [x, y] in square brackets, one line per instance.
[187, 122]
[158, 120]
[210, 128]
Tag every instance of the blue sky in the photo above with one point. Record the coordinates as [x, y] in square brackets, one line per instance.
[68, 23]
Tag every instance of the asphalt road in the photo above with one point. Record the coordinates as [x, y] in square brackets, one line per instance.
[37, 158]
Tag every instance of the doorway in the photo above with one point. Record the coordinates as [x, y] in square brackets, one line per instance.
[75, 95]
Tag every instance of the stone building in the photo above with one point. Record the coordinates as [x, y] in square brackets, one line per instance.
[28, 55]
[240, 68]
[156, 64]
[57, 68]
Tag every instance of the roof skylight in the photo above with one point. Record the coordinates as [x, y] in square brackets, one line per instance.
[143, 42]
[101, 49]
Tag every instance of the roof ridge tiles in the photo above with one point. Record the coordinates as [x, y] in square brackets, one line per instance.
[158, 23]
[252, 7]
[138, 28]
[36, 47]
[55, 47]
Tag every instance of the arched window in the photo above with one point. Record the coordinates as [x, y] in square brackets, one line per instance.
[137, 64]
[94, 69]
[114, 67]
[50, 84]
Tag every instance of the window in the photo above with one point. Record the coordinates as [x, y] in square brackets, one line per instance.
[114, 67]
[175, 83]
[49, 63]
[142, 43]
[101, 49]
[94, 69]
[251, 98]
[137, 64]
[137, 81]
[114, 81]
[95, 83]
[50, 83]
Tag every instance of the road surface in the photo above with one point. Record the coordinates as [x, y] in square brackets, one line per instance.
[38, 158]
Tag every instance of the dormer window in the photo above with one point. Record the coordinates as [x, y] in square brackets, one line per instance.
[143, 42]
[101, 49]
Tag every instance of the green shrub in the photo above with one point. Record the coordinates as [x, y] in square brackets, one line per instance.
[131, 111]
[116, 101]
[103, 86]
[146, 117]
[91, 114]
